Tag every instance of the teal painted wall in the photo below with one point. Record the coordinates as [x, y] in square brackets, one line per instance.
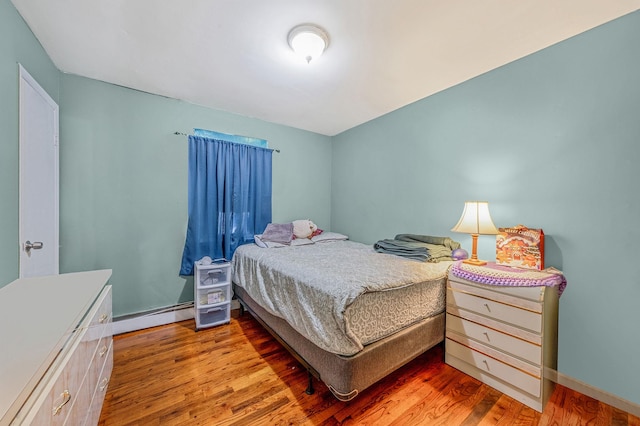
[123, 184]
[551, 141]
[17, 45]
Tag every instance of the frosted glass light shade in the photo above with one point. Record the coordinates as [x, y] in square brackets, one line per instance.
[308, 41]
[476, 219]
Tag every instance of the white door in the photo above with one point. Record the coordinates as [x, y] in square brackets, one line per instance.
[38, 180]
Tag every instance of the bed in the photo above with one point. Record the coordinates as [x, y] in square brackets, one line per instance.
[350, 315]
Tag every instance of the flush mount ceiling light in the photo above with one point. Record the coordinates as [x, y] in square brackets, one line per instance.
[308, 41]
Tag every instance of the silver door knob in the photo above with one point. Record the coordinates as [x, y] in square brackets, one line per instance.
[36, 245]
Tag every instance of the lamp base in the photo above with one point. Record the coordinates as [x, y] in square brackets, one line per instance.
[475, 262]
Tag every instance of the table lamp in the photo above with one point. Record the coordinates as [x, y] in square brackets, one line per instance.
[475, 220]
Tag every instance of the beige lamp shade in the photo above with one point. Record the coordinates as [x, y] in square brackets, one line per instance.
[476, 219]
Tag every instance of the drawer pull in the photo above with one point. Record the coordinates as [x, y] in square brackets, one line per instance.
[486, 364]
[487, 336]
[487, 306]
[66, 397]
[103, 318]
[103, 350]
[103, 384]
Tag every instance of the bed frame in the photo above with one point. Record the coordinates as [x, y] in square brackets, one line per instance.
[347, 376]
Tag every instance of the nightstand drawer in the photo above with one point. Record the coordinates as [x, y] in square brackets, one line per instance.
[480, 362]
[501, 341]
[496, 310]
[503, 335]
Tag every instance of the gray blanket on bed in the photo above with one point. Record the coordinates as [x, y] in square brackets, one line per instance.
[418, 247]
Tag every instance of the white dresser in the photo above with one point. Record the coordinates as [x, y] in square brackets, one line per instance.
[57, 352]
[504, 337]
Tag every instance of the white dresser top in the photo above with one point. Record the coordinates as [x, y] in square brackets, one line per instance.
[37, 316]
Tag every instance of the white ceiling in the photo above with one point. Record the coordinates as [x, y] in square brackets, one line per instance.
[232, 55]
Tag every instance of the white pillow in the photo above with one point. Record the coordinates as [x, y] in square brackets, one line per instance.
[329, 236]
[266, 244]
[303, 228]
[301, 242]
[272, 244]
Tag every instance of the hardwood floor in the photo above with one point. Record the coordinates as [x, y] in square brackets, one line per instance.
[237, 374]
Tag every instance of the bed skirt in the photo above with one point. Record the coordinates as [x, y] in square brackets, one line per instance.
[346, 376]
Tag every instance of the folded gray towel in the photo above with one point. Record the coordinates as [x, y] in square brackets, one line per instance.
[418, 247]
[407, 249]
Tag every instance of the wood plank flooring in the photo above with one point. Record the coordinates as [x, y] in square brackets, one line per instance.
[237, 374]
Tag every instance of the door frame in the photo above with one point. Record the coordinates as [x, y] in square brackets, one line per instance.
[26, 79]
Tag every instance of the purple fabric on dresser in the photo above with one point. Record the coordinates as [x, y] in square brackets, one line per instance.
[494, 274]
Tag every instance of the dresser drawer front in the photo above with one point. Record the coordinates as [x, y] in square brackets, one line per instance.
[101, 355]
[495, 368]
[106, 367]
[101, 327]
[54, 404]
[78, 411]
[496, 339]
[66, 399]
[59, 398]
[525, 297]
[506, 313]
[101, 321]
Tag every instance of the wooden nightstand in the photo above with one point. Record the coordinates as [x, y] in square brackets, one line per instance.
[503, 336]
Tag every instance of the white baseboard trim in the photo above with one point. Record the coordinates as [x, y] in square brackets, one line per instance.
[593, 392]
[156, 318]
[153, 319]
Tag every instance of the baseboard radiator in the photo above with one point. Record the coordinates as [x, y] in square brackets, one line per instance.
[156, 317]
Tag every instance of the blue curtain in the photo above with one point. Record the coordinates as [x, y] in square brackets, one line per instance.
[229, 198]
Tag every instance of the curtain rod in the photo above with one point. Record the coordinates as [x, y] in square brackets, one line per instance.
[184, 134]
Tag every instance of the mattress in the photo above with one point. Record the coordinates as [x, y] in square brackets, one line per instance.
[341, 295]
